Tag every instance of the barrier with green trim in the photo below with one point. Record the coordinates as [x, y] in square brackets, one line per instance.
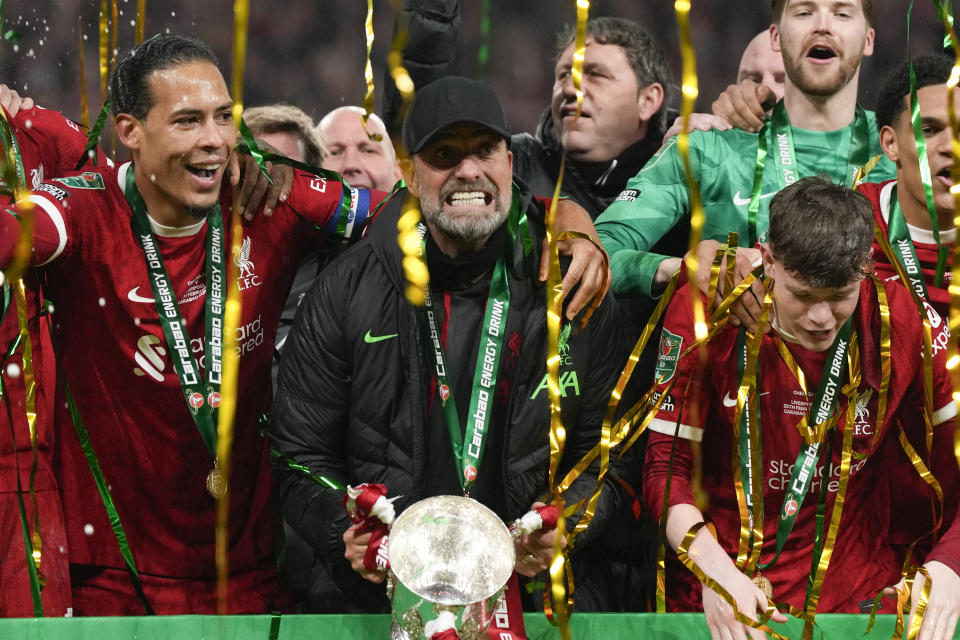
[604, 626]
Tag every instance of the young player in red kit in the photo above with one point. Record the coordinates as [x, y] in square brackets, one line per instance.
[135, 258]
[45, 144]
[900, 206]
[822, 362]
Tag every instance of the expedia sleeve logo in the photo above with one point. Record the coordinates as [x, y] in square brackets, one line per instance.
[628, 195]
[670, 345]
[53, 190]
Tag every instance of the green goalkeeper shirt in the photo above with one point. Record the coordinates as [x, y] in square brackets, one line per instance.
[723, 165]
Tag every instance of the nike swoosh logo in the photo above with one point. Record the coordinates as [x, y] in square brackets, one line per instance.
[732, 402]
[369, 339]
[134, 297]
[742, 202]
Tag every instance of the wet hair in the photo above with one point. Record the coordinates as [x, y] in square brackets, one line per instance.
[643, 52]
[129, 85]
[822, 232]
[286, 118]
[930, 69]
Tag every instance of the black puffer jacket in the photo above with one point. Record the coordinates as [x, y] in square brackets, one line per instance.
[592, 185]
[354, 411]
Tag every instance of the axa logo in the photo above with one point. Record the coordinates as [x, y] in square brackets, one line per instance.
[246, 278]
[150, 357]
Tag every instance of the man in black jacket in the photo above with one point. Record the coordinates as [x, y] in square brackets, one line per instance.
[370, 385]
[626, 80]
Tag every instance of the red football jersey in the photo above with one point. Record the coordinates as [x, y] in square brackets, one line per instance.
[879, 195]
[48, 144]
[115, 357]
[862, 561]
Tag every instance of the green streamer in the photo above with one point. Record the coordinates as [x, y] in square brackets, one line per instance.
[93, 138]
[483, 53]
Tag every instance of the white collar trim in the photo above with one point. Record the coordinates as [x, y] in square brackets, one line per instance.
[156, 227]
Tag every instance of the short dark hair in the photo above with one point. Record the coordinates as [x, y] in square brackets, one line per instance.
[643, 52]
[129, 88]
[777, 7]
[930, 69]
[822, 232]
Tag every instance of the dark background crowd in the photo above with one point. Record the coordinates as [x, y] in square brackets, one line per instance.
[311, 53]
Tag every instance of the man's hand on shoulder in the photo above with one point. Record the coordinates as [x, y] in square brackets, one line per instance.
[745, 105]
[589, 264]
[256, 190]
[746, 310]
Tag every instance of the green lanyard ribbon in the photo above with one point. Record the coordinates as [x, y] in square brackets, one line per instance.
[203, 406]
[823, 409]
[925, 178]
[785, 157]
[903, 247]
[468, 458]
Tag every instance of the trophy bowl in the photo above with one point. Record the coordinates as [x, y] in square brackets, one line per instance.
[451, 550]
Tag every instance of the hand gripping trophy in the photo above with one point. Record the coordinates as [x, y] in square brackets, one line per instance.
[448, 559]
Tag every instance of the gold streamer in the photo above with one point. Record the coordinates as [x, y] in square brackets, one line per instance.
[113, 64]
[17, 181]
[751, 521]
[610, 437]
[414, 265]
[231, 320]
[30, 397]
[141, 17]
[558, 434]
[953, 362]
[368, 73]
[853, 364]
[682, 555]
[104, 48]
[885, 352]
[15, 178]
[920, 608]
[81, 59]
[690, 92]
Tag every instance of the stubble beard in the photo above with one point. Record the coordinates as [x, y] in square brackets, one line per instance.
[200, 213]
[467, 228]
[819, 84]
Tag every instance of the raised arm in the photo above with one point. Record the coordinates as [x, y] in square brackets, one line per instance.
[429, 53]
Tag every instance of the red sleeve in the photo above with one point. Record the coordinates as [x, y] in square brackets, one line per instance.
[48, 241]
[50, 142]
[657, 468]
[686, 402]
[321, 202]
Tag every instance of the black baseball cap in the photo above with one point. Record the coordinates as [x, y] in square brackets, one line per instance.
[449, 100]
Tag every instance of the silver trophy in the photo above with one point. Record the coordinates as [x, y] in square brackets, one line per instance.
[450, 559]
